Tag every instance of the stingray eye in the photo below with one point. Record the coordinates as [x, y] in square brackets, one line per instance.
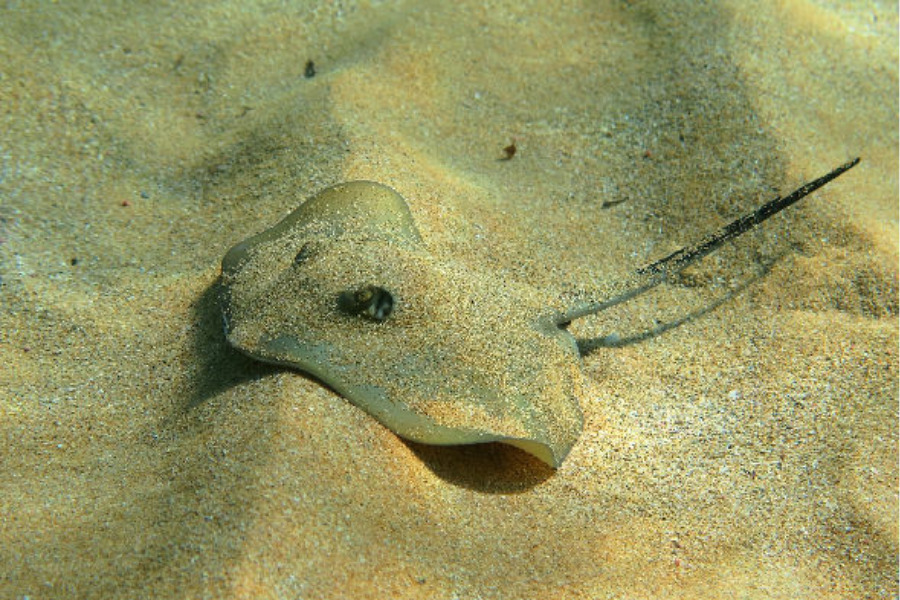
[307, 251]
[370, 301]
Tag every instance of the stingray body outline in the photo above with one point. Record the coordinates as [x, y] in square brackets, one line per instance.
[345, 289]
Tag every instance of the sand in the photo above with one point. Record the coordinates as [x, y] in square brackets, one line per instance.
[750, 453]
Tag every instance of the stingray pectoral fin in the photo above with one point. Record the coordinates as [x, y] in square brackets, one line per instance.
[542, 451]
[550, 448]
[365, 207]
[548, 434]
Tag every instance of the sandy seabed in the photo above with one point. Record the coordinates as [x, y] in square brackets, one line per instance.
[751, 453]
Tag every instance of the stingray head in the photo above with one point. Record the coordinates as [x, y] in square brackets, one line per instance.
[344, 289]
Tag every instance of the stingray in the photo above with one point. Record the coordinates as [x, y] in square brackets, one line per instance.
[345, 289]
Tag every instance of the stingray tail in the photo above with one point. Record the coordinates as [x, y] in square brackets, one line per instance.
[646, 278]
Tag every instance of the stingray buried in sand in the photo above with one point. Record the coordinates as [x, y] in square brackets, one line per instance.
[345, 289]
